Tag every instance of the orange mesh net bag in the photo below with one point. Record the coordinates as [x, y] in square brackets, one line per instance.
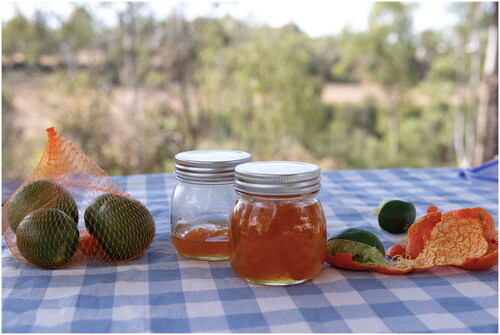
[70, 212]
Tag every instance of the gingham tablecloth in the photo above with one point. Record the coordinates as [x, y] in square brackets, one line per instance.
[164, 292]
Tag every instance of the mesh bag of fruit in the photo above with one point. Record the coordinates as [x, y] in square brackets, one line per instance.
[70, 212]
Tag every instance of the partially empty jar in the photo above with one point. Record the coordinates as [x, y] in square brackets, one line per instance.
[202, 200]
[278, 229]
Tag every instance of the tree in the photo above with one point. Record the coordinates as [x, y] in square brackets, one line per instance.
[391, 60]
[325, 52]
[487, 119]
[27, 40]
[474, 32]
[12, 30]
[76, 34]
[267, 99]
[431, 45]
[385, 54]
[10, 131]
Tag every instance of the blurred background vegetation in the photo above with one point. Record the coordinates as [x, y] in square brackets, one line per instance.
[133, 94]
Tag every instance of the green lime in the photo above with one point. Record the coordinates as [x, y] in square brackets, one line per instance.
[91, 211]
[40, 194]
[361, 236]
[47, 238]
[364, 247]
[396, 216]
[124, 228]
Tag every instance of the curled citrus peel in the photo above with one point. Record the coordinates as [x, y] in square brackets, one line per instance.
[466, 238]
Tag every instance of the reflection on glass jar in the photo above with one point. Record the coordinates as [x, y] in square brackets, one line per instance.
[278, 229]
[201, 202]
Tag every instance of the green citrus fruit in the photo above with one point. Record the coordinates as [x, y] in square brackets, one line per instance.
[47, 238]
[361, 236]
[396, 216]
[40, 194]
[91, 211]
[124, 228]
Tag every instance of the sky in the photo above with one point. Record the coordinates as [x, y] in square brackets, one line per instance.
[315, 17]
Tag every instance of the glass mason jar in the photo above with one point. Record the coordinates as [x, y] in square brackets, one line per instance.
[277, 224]
[202, 200]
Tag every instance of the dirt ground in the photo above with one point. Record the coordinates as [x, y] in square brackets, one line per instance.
[340, 93]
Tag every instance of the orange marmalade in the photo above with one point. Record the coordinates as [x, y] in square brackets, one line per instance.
[205, 243]
[277, 242]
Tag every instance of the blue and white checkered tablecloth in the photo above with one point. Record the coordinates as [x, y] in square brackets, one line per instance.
[164, 292]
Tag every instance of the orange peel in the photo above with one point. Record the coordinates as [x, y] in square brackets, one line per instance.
[465, 238]
[480, 214]
[420, 232]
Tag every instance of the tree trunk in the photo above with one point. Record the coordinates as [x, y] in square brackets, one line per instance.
[191, 127]
[458, 130]
[69, 58]
[394, 100]
[474, 89]
[129, 79]
[129, 61]
[487, 123]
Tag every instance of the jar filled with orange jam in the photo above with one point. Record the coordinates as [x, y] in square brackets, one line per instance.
[277, 225]
[202, 200]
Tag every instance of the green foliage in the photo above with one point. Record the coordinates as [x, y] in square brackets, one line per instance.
[347, 69]
[29, 39]
[442, 69]
[8, 132]
[7, 107]
[149, 88]
[78, 31]
[20, 154]
[389, 45]
[86, 120]
[352, 137]
[416, 148]
[433, 44]
[385, 53]
[12, 30]
[267, 98]
[325, 53]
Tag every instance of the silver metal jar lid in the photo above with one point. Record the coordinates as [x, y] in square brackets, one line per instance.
[209, 165]
[277, 178]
